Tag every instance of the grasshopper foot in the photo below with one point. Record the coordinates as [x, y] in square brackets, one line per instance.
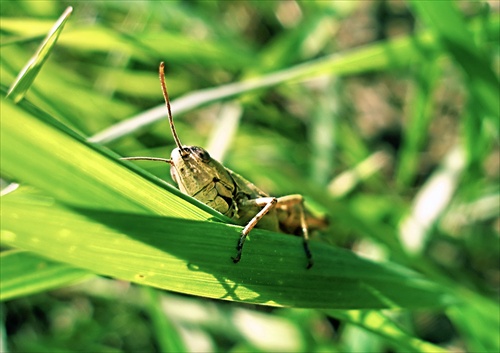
[310, 261]
[237, 258]
[239, 248]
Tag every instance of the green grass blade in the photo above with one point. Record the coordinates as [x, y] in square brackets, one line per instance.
[167, 334]
[193, 257]
[420, 116]
[26, 77]
[23, 274]
[45, 155]
[380, 324]
[477, 319]
[452, 31]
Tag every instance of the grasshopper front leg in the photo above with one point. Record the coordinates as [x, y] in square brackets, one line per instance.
[268, 203]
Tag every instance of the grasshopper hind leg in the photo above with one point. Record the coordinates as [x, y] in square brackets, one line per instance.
[305, 235]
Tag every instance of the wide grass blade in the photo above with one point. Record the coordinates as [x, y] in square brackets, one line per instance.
[47, 155]
[193, 257]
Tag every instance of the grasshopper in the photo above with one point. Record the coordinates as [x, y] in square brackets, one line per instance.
[202, 177]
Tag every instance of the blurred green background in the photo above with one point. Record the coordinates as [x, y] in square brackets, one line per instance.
[383, 114]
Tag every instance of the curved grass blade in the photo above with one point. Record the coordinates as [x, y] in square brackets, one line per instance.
[28, 74]
[193, 257]
[39, 151]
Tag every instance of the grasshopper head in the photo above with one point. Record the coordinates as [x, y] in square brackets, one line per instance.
[192, 168]
[202, 177]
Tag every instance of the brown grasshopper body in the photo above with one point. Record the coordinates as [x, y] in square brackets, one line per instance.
[205, 179]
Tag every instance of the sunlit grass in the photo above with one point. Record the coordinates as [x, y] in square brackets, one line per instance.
[396, 141]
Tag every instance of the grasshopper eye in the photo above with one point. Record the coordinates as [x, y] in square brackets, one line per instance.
[201, 153]
[204, 156]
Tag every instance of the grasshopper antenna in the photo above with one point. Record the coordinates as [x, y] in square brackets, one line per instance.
[170, 120]
[167, 102]
[169, 161]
